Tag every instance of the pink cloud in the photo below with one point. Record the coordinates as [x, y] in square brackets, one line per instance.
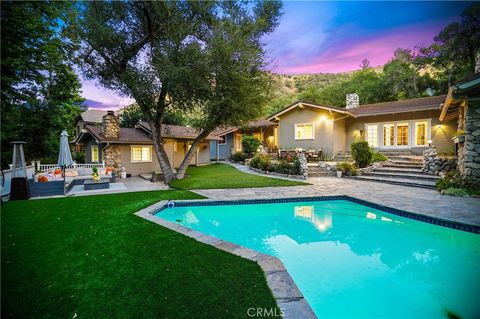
[348, 55]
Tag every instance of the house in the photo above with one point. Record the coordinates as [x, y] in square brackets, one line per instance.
[231, 138]
[399, 126]
[132, 148]
[463, 103]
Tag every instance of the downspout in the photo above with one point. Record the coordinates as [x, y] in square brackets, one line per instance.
[104, 148]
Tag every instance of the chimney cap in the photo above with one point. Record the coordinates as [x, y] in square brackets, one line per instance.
[111, 112]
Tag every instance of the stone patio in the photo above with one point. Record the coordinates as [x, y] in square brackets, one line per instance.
[416, 200]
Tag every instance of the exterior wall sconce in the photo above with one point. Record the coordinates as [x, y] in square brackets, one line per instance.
[429, 143]
[322, 118]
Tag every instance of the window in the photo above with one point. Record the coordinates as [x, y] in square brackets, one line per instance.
[402, 134]
[304, 131]
[388, 134]
[258, 136]
[421, 133]
[372, 135]
[224, 140]
[141, 154]
[94, 149]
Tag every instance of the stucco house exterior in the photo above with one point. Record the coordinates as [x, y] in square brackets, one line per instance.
[132, 148]
[399, 126]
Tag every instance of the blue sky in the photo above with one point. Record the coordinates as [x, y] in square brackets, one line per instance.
[315, 36]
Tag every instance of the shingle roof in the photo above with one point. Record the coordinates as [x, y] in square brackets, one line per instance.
[127, 135]
[411, 105]
[177, 131]
[310, 104]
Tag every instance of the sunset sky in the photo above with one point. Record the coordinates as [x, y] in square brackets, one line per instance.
[332, 37]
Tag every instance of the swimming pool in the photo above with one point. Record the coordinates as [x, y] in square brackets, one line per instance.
[351, 260]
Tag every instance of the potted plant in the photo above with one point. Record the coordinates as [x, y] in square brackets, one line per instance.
[339, 172]
[95, 176]
[345, 168]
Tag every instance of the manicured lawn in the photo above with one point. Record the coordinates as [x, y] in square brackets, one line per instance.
[92, 257]
[225, 176]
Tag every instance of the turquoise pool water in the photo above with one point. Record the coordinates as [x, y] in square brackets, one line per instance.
[350, 260]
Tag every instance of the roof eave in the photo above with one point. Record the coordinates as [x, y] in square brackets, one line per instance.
[398, 112]
[298, 103]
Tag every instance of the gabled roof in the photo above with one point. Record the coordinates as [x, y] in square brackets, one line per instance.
[458, 94]
[302, 103]
[176, 131]
[410, 105]
[127, 135]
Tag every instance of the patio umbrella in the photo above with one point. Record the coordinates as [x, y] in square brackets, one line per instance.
[64, 157]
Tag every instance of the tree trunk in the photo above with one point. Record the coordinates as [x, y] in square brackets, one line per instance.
[160, 152]
[193, 149]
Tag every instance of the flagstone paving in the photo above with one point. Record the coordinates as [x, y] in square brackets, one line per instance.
[417, 200]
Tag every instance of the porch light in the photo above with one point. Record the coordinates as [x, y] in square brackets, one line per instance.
[322, 118]
[429, 143]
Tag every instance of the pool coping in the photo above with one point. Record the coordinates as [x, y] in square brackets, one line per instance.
[286, 293]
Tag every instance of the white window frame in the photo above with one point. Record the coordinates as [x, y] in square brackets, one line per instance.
[428, 131]
[378, 136]
[411, 133]
[91, 153]
[304, 124]
[141, 161]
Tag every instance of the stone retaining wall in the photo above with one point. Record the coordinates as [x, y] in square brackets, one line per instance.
[436, 165]
[469, 151]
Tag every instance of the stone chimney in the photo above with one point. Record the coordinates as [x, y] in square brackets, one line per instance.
[477, 63]
[353, 101]
[111, 125]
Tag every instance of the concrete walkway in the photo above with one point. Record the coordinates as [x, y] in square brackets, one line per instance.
[416, 200]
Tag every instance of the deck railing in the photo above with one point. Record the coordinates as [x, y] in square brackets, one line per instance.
[50, 167]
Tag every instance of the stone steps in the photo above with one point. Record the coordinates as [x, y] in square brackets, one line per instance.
[403, 165]
[398, 181]
[395, 169]
[418, 176]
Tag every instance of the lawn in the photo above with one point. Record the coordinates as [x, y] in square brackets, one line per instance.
[225, 176]
[90, 257]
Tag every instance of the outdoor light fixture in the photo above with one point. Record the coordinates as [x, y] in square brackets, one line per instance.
[323, 118]
[429, 143]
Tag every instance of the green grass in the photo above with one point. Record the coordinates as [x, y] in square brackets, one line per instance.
[225, 176]
[92, 257]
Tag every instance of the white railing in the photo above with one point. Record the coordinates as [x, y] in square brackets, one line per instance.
[50, 167]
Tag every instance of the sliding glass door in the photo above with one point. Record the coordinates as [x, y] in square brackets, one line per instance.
[401, 134]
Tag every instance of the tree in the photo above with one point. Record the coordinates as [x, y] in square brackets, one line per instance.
[132, 114]
[204, 58]
[365, 64]
[455, 48]
[40, 91]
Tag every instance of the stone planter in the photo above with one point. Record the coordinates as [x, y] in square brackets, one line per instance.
[339, 174]
[459, 139]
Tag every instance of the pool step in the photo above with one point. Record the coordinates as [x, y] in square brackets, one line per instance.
[397, 181]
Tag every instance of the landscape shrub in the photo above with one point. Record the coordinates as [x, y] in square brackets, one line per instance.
[79, 157]
[347, 168]
[361, 153]
[261, 162]
[250, 145]
[453, 191]
[377, 157]
[238, 157]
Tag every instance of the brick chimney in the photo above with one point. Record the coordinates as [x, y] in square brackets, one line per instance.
[353, 101]
[110, 125]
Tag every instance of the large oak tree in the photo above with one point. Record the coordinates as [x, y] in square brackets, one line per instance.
[201, 58]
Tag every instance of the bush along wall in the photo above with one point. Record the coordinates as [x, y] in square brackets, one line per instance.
[296, 168]
[436, 165]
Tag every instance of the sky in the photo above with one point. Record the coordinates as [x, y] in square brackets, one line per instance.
[332, 37]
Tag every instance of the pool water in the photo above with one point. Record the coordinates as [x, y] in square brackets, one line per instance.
[351, 260]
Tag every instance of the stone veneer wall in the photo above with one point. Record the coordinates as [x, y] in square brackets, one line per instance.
[435, 165]
[469, 150]
[110, 125]
[111, 156]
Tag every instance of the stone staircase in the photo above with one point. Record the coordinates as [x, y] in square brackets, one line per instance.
[316, 171]
[343, 157]
[403, 169]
